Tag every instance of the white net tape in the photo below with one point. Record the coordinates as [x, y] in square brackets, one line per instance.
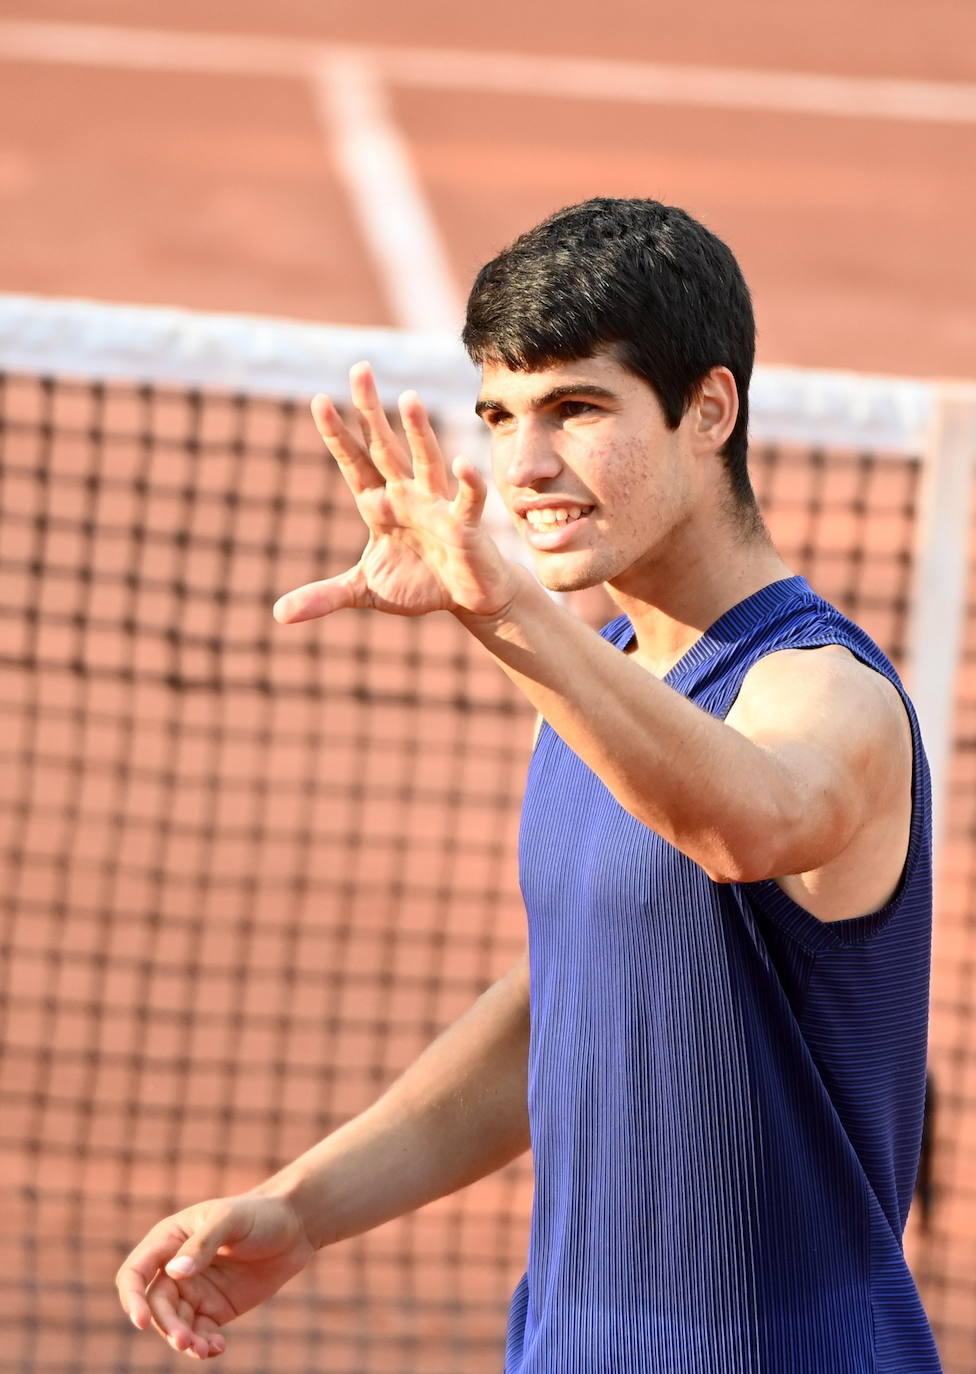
[263, 356]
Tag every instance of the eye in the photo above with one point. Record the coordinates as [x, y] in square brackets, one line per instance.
[495, 418]
[568, 409]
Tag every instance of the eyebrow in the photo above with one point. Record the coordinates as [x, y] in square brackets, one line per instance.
[556, 393]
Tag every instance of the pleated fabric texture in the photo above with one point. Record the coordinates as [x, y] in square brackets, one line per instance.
[725, 1093]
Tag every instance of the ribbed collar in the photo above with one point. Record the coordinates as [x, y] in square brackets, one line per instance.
[732, 625]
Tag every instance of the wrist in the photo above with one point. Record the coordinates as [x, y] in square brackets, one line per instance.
[485, 625]
[303, 1193]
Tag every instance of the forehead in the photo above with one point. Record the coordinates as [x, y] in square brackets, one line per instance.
[601, 369]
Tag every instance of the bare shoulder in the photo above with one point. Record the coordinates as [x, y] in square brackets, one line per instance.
[840, 730]
[826, 692]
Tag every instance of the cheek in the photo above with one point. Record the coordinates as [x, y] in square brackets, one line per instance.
[655, 477]
[634, 481]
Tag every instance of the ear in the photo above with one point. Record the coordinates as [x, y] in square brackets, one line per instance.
[714, 410]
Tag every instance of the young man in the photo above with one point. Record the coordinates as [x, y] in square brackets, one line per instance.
[724, 853]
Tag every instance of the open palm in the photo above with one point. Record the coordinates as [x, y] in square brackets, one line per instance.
[426, 549]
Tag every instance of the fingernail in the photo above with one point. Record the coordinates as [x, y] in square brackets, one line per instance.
[133, 1320]
[181, 1265]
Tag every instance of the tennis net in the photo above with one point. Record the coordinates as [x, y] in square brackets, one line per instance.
[249, 872]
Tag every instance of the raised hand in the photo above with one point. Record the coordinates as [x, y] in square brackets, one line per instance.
[198, 1269]
[426, 550]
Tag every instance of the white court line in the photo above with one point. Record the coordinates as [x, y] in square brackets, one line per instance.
[513, 73]
[102, 45]
[373, 161]
[378, 174]
[651, 83]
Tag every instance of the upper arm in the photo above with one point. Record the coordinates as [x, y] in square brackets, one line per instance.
[839, 736]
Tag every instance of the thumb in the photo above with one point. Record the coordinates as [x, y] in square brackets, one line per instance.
[230, 1224]
[320, 598]
[469, 503]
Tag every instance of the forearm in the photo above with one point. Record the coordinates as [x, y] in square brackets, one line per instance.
[458, 1112]
[705, 787]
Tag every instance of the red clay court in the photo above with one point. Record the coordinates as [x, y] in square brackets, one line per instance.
[200, 155]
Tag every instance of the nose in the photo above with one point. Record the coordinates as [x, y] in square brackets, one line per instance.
[528, 455]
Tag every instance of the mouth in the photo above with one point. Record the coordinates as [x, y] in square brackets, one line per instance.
[550, 527]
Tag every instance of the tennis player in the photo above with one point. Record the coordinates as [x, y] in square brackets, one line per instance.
[719, 1056]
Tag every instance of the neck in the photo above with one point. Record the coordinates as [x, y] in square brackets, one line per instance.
[672, 601]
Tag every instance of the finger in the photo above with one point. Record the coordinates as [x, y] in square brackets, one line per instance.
[472, 492]
[141, 1267]
[224, 1224]
[168, 1320]
[177, 1322]
[315, 599]
[210, 1331]
[429, 467]
[354, 463]
[131, 1288]
[385, 449]
[208, 1340]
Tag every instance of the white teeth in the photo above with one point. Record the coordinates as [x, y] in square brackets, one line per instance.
[550, 517]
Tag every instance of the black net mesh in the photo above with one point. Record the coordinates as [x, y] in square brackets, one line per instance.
[250, 871]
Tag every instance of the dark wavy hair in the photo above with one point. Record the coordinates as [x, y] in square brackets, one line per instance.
[642, 277]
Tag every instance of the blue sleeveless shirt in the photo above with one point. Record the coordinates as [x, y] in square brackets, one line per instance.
[725, 1093]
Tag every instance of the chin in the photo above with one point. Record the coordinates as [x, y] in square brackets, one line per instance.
[566, 579]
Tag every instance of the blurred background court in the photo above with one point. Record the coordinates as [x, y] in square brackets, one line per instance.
[250, 872]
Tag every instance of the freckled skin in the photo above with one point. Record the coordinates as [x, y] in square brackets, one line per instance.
[618, 456]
